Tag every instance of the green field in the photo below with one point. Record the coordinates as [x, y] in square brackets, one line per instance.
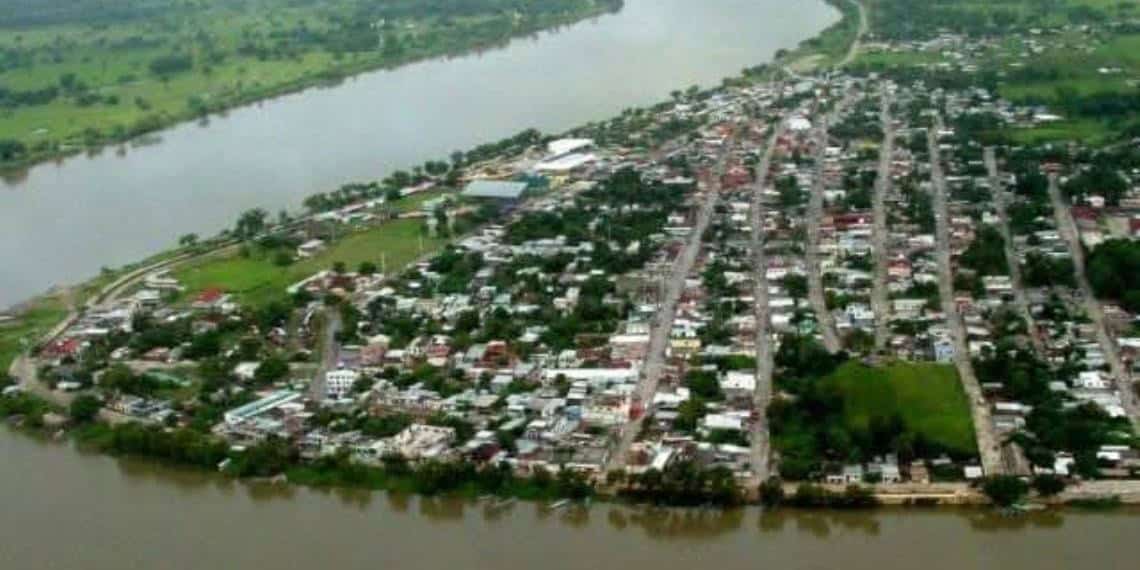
[43, 314]
[78, 74]
[928, 397]
[256, 279]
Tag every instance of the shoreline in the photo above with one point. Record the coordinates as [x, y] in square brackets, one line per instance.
[926, 496]
[933, 497]
[326, 78]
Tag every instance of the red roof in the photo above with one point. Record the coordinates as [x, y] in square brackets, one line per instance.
[1085, 213]
[210, 295]
[65, 347]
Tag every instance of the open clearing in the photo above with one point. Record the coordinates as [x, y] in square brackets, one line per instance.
[928, 397]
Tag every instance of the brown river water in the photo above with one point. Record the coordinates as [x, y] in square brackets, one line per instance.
[63, 508]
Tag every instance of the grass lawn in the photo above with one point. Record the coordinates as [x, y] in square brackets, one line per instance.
[256, 279]
[44, 314]
[928, 397]
[1088, 131]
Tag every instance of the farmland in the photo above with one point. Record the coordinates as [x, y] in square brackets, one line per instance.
[76, 75]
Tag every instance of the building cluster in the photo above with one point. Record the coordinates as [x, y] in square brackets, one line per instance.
[623, 305]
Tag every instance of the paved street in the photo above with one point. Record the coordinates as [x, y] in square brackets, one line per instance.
[761, 445]
[659, 333]
[816, 293]
[1001, 197]
[988, 445]
[1068, 230]
[330, 354]
[879, 230]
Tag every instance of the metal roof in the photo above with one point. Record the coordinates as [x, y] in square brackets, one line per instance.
[503, 190]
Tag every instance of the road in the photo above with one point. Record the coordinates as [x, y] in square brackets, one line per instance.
[330, 354]
[1001, 197]
[853, 50]
[662, 326]
[1068, 230]
[988, 445]
[879, 231]
[761, 451]
[816, 294]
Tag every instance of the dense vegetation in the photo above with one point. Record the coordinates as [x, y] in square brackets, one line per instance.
[1114, 272]
[1054, 423]
[847, 412]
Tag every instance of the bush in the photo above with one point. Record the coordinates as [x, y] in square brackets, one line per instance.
[1005, 490]
[1048, 485]
[809, 496]
[85, 409]
[772, 492]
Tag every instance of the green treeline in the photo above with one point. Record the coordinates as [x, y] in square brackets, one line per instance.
[82, 73]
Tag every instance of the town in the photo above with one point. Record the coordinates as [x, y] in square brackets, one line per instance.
[826, 278]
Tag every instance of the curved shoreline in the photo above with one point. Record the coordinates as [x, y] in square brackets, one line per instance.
[944, 494]
[325, 78]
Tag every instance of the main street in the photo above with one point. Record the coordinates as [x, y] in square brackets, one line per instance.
[816, 294]
[761, 444]
[662, 326]
[879, 231]
[330, 353]
[1068, 230]
[1000, 197]
[988, 446]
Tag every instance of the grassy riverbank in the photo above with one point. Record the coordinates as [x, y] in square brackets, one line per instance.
[78, 75]
[38, 317]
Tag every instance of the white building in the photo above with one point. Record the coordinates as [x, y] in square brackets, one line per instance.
[339, 382]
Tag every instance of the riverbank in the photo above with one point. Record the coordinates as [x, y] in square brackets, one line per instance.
[195, 452]
[126, 513]
[275, 154]
[197, 94]
[448, 478]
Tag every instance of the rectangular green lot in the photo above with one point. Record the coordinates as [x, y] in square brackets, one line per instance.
[928, 397]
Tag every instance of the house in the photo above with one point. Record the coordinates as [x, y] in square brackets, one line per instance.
[339, 382]
[245, 371]
[851, 475]
[943, 350]
[310, 248]
[739, 383]
[209, 299]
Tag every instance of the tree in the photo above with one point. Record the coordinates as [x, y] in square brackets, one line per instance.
[1048, 485]
[772, 492]
[797, 285]
[1005, 490]
[85, 409]
[282, 258]
[11, 149]
[271, 370]
[367, 268]
[250, 223]
[188, 240]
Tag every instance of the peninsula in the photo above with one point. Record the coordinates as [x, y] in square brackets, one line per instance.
[896, 266]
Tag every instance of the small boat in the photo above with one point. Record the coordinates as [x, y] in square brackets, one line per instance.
[560, 504]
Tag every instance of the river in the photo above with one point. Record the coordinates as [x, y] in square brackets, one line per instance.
[61, 222]
[62, 508]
